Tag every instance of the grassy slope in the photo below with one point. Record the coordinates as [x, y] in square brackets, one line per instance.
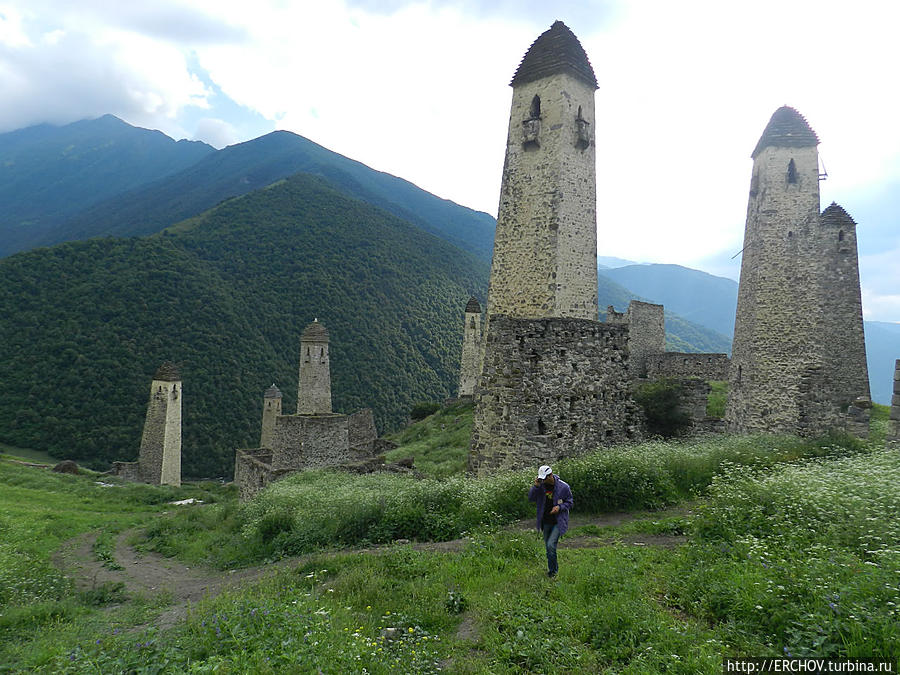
[776, 543]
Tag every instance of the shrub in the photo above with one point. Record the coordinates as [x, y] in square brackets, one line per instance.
[421, 410]
[661, 403]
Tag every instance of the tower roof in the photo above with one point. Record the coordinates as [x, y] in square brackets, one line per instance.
[836, 216]
[272, 392]
[167, 372]
[556, 51]
[314, 332]
[472, 307]
[786, 129]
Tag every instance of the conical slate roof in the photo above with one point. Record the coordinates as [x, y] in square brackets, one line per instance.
[472, 307]
[272, 392]
[836, 216]
[314, 332]
[167, 372]
[786, 129]
[556, 51]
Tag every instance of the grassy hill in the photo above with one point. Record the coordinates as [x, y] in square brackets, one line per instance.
[84, 325]
[48, 173]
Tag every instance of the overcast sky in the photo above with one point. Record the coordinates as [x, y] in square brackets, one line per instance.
[420, 90]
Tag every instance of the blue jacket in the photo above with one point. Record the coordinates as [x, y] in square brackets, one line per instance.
[562, 497]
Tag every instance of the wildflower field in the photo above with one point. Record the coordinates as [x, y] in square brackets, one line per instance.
[747, 546]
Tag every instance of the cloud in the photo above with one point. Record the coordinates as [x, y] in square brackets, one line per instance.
[218, 133]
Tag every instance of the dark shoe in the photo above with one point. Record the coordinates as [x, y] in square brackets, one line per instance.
[551, 574]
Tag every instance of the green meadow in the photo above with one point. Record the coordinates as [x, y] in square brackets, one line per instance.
[679, 553]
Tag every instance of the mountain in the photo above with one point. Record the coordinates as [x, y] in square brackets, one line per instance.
[48, 173]
[882, 349]
[605, 262]
[681, 335]
[696, 296]
[84, 325]
[242, 168]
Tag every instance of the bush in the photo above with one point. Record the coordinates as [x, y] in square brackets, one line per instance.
[421, 410]
[661, 403]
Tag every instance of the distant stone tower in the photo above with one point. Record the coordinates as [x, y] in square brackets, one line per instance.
[314, 389]
[646, 333]
[159, 461]
[470, 362]
[846, 340]
[271, 410]
[545, 246]
[780, 370]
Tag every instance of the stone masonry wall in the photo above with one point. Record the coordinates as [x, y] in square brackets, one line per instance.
[683, 365]
[545, 246]
[160, 454]
[550, 388]
[777, 381]
[361, 434]
[894, 430]
[252, 471]
[309, 441]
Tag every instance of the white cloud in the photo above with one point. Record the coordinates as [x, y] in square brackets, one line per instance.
[218, 133]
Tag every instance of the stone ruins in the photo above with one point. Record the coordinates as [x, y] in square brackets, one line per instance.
[555, 382]
[314, 437]
[894, 430]
[159, 461]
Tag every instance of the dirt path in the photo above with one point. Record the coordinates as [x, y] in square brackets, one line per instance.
[150, 574]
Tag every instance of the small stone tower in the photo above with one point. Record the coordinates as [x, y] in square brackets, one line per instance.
[470, 362]
[545, 246]
[271, 410]
[846, 339]
[780, 379]
[646, 333]
[159, 461]
[314, 389]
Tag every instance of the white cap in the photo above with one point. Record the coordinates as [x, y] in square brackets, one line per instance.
[544, 471]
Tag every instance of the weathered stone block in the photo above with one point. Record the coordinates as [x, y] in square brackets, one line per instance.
[569, 393]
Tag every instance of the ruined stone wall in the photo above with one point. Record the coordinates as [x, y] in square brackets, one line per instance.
[309, 442]
[706, 367]
[252, 471]
[545, 246]
[646, 335]
[694, 396]
[894, 429]
[777, 381]
[470, 361]
[843, 332]
[127, 470]
[160, 455]
[550, 388]
[361, 434]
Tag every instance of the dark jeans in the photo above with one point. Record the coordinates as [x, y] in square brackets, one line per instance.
[551, 536]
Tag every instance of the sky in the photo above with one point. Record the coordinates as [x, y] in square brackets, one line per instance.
[420, 90]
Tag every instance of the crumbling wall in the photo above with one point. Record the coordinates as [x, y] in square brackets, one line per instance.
[252, 471]
[682, 365]
[550, 388]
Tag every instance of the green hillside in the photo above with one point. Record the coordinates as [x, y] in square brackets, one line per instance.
[84, 325]
[48, 173]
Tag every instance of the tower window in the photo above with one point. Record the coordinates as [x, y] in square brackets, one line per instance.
[792, 172]
[841, 235]
[535, 111]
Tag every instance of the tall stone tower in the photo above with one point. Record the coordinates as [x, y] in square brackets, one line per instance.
[159, 461]
[470, 362]
[271, 410]
[846, 339]
[545, 246]
[780, 379]
[314, 389]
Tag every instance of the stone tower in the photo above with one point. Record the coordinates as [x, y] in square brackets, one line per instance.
[894, 424]
[159, 461]
[314, 389]
[271, 410]
[843, 307]
[646, 333]
[545, 246]
[780, 379]
[470, 362]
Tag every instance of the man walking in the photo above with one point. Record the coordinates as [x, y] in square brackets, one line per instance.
[554, 501]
